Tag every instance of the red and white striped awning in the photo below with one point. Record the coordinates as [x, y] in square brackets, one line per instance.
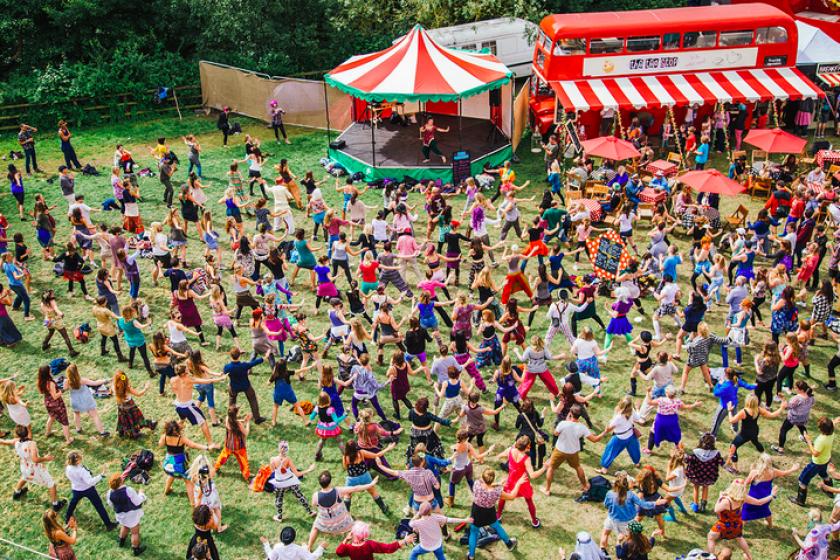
[832, 80]
[700, 88]
[416, 68]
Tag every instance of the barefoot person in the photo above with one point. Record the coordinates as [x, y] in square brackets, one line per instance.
[427, 135]
[185, 407]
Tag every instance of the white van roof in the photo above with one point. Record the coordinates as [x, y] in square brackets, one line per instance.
[480, 30]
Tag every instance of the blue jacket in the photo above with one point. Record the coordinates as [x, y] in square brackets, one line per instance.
[727, 392]
[627, 511]
[238, 373]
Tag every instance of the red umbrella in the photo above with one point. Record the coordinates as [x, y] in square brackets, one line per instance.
[610, 147]
[712, 181]
[775, 141]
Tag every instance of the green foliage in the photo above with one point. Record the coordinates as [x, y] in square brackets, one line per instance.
[55, 50]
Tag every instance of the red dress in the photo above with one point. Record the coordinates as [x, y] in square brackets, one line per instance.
[366, 550]
[516, 470]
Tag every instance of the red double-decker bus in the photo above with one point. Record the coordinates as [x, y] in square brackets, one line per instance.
[653, 59]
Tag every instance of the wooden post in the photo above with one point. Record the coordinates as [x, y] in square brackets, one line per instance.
[177, 106]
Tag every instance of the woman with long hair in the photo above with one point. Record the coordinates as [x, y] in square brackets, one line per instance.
[306, 259]
[54, 322]
[132, 329]
[766, 370]
[748, 419]
[798, 412]
[790, 361]
[760, 482]
[61, 538]
[54, 403]
[356, 462]
[81, 399]
[519, 467]
[16, 187]
[729, 525]
[784, 314]
[175, 460]
[32, 466]
[287, 479]
[130, 419]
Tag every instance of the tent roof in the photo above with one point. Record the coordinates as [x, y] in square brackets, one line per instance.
[815, 46]
[416, 68]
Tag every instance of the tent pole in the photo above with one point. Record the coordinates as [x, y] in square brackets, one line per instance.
[460, 110]
[327, 113]
[372, 136]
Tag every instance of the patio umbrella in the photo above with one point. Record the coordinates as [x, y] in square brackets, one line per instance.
[775, 141]
[711, 181]
[610, 147]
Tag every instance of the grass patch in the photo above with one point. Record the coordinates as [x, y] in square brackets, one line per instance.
[167, 527]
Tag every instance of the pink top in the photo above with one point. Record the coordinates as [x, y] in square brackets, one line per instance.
[401, 222]
[407, 246]
[430, 286]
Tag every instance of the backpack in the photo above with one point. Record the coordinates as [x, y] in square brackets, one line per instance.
[136, 467]
[598, 488]
[486, 536]
[403, 529]
[89, 169]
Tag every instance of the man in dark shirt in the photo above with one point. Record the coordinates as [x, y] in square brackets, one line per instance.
[67, 182]
[223, 124]
[27, 144]
[176, 274]
[167, 169]
[241, 383]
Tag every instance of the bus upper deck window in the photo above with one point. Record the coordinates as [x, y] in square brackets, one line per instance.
[736, 38]
[607, 45]
[647, 43]
[569, 47]
[767, 35]
[671, 41]
[699, 39]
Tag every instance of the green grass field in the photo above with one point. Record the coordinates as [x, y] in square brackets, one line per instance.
[167, 526]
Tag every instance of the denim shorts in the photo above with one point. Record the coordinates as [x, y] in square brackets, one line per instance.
[206, 392]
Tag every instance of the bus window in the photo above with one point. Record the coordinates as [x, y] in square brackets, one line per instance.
[489, 45]
[569, 47]
[671, 41]
[607, 45]
[543, 41]
[646, 43]
[736, 38]
[468, 47]
[765, 35]
[699, 39]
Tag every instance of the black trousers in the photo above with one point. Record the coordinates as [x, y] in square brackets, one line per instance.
[93, 497]
[278, 130]
[251, 395]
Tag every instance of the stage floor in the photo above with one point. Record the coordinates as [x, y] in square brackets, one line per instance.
[398, 146]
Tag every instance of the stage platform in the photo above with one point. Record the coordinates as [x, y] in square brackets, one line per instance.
[398, 149]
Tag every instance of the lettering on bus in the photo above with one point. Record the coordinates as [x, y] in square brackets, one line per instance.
[690, 61]
[657, 63]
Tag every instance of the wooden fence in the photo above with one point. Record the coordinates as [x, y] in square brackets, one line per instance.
[88, 111]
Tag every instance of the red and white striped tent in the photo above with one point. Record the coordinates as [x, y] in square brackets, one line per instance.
[669, 90]
[416, 68]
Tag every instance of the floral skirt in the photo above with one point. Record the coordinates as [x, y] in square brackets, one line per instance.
[492, 357]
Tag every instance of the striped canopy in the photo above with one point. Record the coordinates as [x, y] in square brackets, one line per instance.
[416, 68]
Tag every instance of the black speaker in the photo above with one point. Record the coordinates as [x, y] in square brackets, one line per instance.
[495, 97]
[338, 144]
[820, 145]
